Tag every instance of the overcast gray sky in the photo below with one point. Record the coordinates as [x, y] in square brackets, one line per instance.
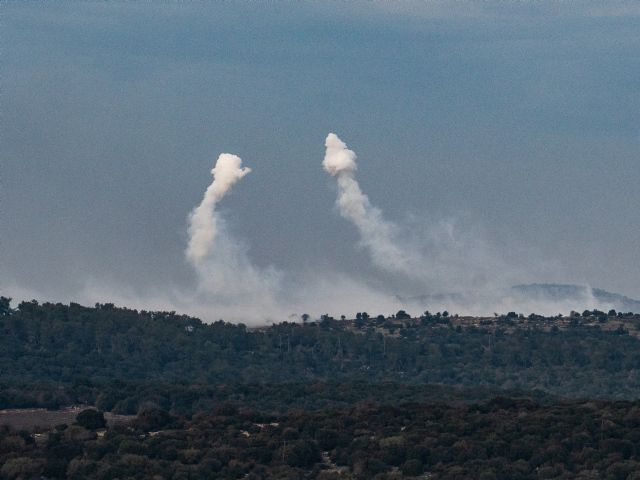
[517, 123]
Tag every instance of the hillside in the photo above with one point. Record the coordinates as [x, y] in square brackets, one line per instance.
[435, 396]
[121, 359]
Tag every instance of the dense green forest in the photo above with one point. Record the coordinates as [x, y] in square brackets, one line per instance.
[121, 359]
[500, 439]
[434, 396]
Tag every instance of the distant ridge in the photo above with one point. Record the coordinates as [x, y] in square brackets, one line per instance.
[538, 297]
[566, 292]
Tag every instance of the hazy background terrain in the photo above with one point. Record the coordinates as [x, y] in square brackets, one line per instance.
[502, 141]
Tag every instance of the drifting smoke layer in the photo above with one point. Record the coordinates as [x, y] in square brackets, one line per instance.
[203, 223]
[376, 234]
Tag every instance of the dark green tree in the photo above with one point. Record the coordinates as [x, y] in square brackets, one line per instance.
[91, 419]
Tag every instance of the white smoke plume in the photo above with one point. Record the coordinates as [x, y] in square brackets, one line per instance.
[203, 223]
[376, 234]
[232, 287]
[229, 284]
[427, 256]
[440, 267]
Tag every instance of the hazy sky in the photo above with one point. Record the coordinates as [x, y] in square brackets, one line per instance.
[510, 128]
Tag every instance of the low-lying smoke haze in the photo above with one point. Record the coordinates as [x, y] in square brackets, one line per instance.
[496, 147]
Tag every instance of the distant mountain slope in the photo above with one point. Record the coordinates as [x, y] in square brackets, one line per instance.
[541, 298]
[577, 293]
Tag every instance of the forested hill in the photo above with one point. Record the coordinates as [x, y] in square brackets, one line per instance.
[52, 354]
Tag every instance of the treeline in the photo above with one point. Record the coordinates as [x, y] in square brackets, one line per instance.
[120, 359]
[501, 439]
[186, 399]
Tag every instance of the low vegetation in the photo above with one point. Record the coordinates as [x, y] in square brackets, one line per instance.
[501, 439]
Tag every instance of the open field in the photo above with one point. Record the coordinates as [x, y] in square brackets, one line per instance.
[40, 418]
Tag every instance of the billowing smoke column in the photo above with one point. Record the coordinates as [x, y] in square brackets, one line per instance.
[229, 284]
[376, 234]
[202, 220]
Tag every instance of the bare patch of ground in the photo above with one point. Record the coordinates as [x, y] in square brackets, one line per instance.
[34, 419]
